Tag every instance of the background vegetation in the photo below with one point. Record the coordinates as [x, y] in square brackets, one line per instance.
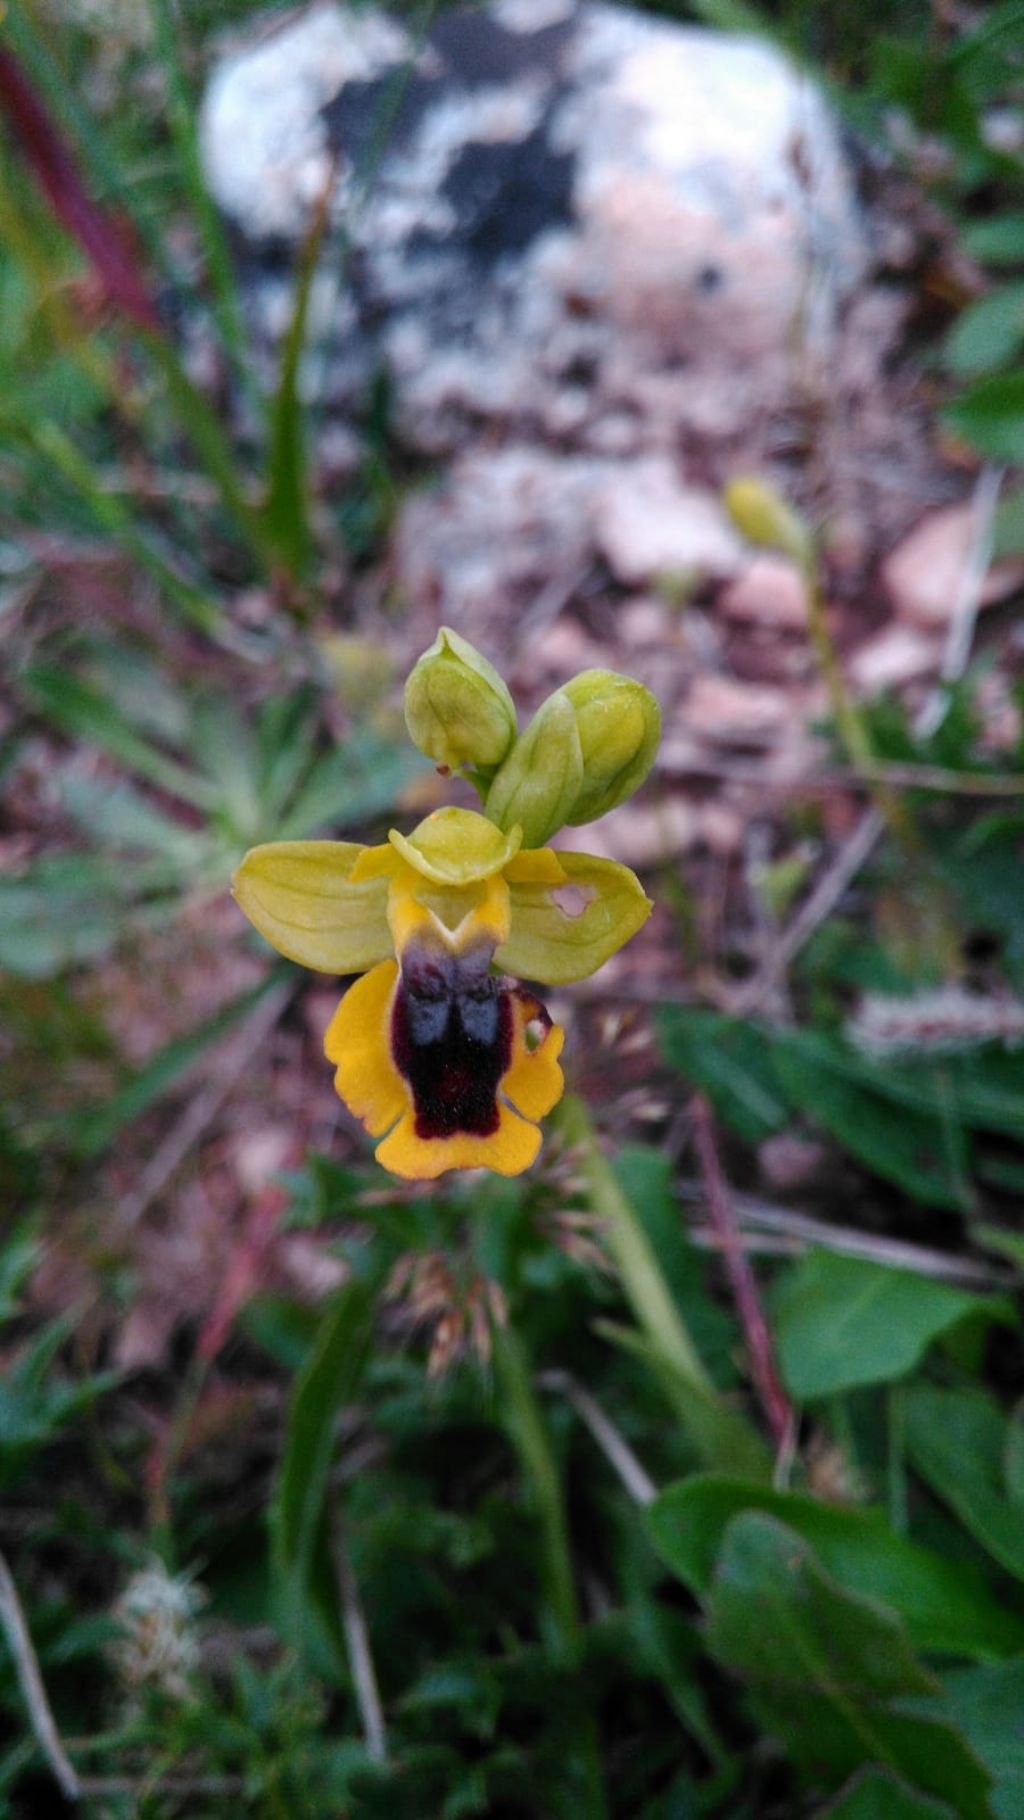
[532, 1499]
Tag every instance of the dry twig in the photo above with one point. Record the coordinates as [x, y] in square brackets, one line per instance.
[30, 1680]
[610, 1440]
[357, 1638]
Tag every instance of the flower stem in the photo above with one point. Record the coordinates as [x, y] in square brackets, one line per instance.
[529, 1435]
[722, 1436]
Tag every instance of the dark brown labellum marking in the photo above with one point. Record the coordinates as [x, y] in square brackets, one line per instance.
[451, 1037]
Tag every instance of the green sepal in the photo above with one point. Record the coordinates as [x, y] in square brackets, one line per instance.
[301, 897]
[542, 775]
[619, 725]
[457, 708]
[565, 932]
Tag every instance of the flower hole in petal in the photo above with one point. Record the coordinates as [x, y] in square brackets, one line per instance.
[572, 900]
[534, 1033]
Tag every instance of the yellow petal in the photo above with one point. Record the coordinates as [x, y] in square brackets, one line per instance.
[358, 1041]
[461, 916]
[457, 847]
[508, 1151]
[533, 1080]
[303, 898]
[566, 932]
[535, 866]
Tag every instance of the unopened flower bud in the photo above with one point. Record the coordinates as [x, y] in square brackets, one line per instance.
[618, 722]
[542, 775]
[764, 517]
[457, 708]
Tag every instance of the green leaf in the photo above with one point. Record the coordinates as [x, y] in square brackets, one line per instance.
[858, 1103]
[946, 1606]
[86, 714]
[830, 1671]
[987, 1704]
[286, 514]
[329, 1379]
[351, 785]
[876, 1794]
[842, 1322]
[998, 241]
[989, 332]
[991, 416]
[731, 1062]
[957, 1442]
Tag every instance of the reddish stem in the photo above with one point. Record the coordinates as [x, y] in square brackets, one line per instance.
[746, 1295]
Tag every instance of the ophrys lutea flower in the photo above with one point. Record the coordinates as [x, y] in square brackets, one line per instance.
[438, 1049]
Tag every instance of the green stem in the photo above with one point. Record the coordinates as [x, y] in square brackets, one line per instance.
[529, 1435]
[850, 724]
[721, 1435]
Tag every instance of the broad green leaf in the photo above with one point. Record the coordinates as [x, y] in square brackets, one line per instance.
[86, 714]
[841, 1322]
[991, 416]
[353, 784]
[997, 241]
[876, 1794]
[945, 1605]
[987, 1703]
[1008, 531]
[925, 1154]
[731, 1062]
[70, 907]
[121, 817]
[830, 1671]
[957, 1441]
[301, 898]
[989, 332]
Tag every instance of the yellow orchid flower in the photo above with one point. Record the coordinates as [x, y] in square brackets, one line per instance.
[437, 1049]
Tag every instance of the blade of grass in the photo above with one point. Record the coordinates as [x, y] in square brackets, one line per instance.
[53, 163]
[88, 714]
[224, 295]
[286, 512]
[524, 1420]
[721, 1435]
[117, 519]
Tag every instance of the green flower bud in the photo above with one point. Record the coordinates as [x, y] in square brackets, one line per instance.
[762, 516]
[619, 725]
[457, 708]
[542, 775]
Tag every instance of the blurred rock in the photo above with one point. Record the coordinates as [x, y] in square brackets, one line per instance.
[897, 655]
[647, 524]
[726, 712]
[925, 574]
[769, 591]
[569, 216]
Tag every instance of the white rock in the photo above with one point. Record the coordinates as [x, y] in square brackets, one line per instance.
[769, 591]
[648, 524]
[925, 574]
[897, 655]
[580, 217]
[725, 711]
